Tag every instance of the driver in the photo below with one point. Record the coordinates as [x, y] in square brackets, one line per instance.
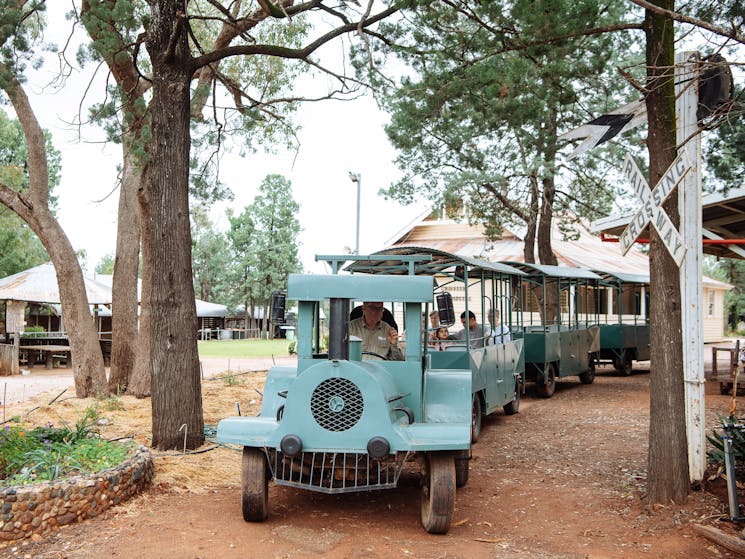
[377, 336]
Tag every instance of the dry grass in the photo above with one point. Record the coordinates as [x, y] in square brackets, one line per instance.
[127, 416]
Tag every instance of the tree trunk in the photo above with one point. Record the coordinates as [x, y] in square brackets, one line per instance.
[126, 266]
[667, 475]
[87, 361]
[531, 225]
[166, 237]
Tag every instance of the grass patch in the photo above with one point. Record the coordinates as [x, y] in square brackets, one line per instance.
[243, 348]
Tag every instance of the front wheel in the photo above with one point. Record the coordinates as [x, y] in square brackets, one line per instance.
[438, 493]
[462, 457]
[254, 485]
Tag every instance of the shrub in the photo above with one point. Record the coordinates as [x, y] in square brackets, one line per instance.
[46, 453]
[716, 454]
[292, 348]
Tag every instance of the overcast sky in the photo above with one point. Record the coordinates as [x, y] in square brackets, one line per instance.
[337, 137]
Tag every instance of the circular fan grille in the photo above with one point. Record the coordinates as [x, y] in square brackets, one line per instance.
[336, 404]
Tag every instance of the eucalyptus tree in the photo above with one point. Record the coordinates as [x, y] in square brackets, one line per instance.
[176, 45]
[488, 88]
[22, 24]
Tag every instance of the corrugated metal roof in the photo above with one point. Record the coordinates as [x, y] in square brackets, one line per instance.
[39, 285]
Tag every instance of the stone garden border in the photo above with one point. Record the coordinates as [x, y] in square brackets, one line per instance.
[42, 507]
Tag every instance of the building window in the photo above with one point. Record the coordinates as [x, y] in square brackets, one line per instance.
[710, 299]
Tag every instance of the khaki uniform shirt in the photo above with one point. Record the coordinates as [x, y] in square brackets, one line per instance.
[375, 339]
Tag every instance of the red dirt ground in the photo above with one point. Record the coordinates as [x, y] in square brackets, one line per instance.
[563, 479]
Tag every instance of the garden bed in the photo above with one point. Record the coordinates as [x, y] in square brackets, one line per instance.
[42, 507]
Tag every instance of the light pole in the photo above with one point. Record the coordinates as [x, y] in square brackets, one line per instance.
[357, 178]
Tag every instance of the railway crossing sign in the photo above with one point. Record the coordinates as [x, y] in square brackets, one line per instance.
[651, 209]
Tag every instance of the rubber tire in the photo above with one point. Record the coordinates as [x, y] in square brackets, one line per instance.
[462, 458]
[477, 417]
[438, 493]
[254, 485]
[627, 364]
[511, 408]
[547, 386]
[589, 375]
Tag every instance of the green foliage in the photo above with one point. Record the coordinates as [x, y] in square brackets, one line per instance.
[210, 258]
[106, 264]
[46, 453]
[715, 454]
[725, 152]
[20, 248]
[490, 88]
[292, 347]
[264, 242]
[232, 380]
[731, 271]
[28, 329]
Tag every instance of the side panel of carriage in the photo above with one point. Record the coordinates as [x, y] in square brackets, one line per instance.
[616, 339]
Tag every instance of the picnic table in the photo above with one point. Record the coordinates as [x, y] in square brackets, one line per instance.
[49, 351]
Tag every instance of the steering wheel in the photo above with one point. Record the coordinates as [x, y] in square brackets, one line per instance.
[375, 355]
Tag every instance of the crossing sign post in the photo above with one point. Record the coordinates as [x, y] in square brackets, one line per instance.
[651, 209]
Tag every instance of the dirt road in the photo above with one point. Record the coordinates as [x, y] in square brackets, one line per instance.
[560, 480]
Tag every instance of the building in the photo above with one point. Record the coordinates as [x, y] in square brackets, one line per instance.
[584, 251]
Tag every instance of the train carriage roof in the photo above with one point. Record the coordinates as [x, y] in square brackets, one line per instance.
[562, 272]
[426, 261]
[622, 277]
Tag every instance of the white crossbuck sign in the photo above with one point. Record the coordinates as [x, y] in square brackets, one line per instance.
[651, 209]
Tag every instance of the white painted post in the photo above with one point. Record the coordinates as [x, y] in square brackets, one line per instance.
[689, 202]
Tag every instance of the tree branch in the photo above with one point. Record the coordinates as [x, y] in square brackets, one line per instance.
[283, 52]
[675, 16]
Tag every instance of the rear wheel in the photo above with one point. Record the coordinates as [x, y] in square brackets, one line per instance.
[589, 375]
[627, 364]
[476, 418]
[254, 485]
[547, 384]
[511, 408]
[438, 493]
[462, 457]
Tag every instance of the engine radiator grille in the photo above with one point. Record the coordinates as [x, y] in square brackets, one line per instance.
[337, 404]
[336, 472]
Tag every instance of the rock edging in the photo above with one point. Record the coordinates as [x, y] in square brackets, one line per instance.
[43, 507]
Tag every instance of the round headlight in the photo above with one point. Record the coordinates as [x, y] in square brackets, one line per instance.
[291, 445]
[378, 447]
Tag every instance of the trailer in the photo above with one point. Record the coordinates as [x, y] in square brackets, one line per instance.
[560, 324]
[624, 322]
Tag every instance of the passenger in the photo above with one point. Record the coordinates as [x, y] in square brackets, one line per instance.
[498, 333]
[377, 336]
[441, 337]
[434, 324]
[475, 331]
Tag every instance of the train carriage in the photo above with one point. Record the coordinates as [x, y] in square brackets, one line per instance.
[624, 320]
[560, 331]
[338, 422]
[485, 288]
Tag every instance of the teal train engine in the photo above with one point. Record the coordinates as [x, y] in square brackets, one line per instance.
[339, 423]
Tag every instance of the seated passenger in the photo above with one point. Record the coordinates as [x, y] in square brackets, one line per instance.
[377, 336]
[440, 340]
[498, 333]
[475, 331]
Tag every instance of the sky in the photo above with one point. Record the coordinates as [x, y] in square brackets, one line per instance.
[336, 138]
